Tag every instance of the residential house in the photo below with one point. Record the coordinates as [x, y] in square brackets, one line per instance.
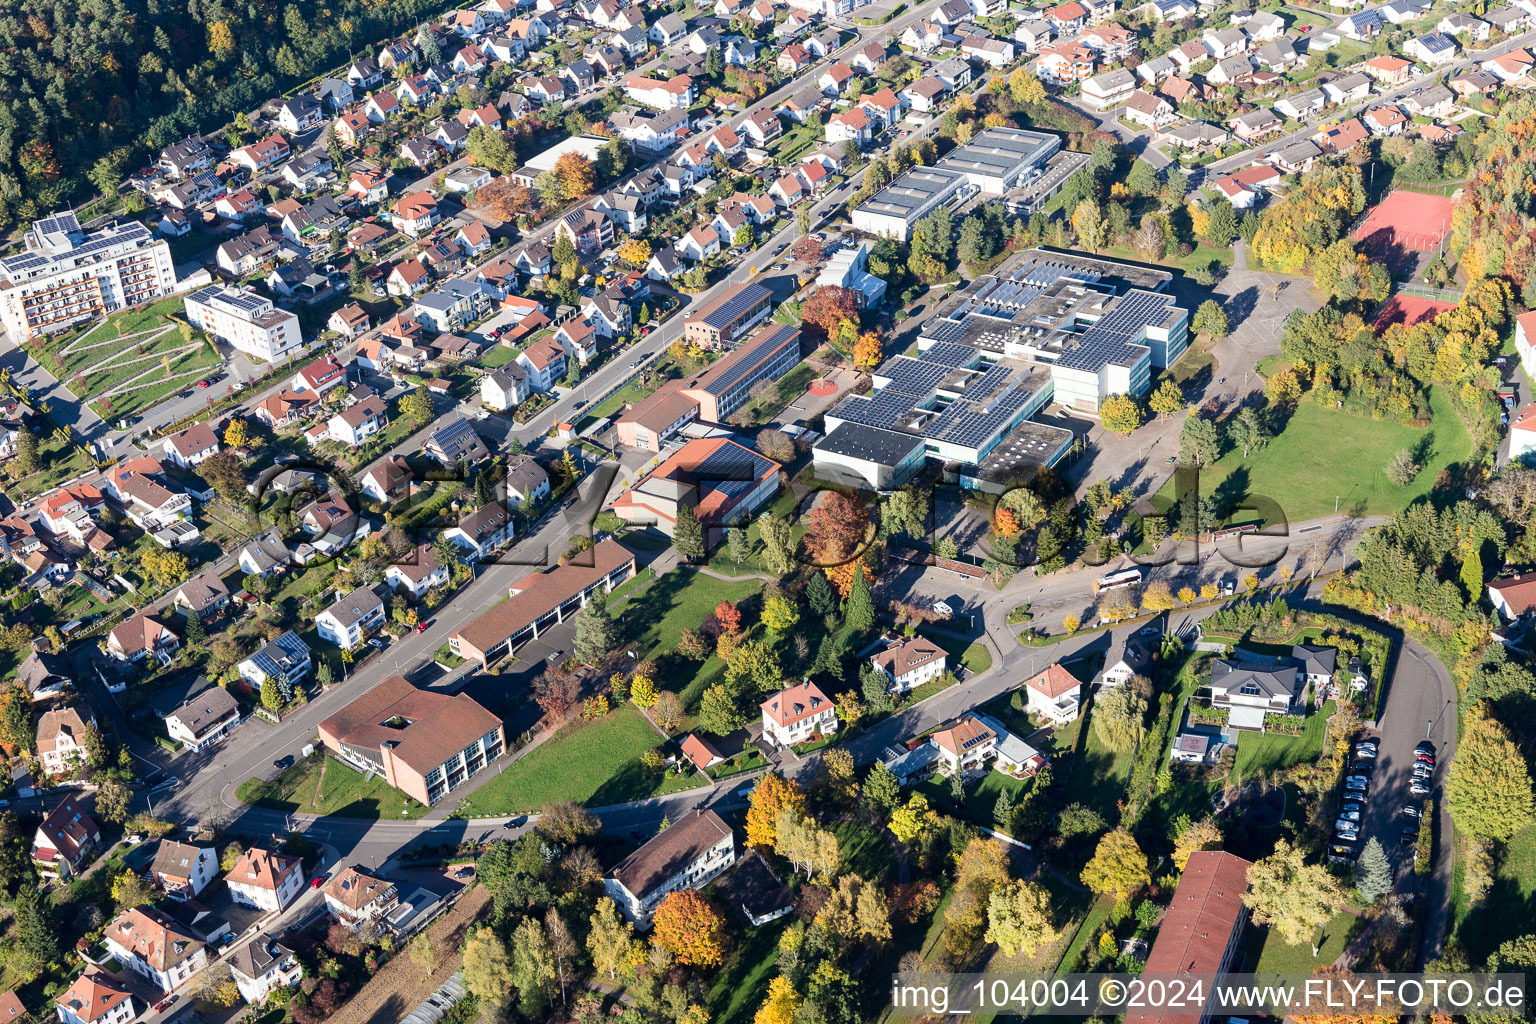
[1251, 690]
[1255, 124]
[183, 870]
[1434, 48]
[797, 714]
[1347, 88]
[1278, 56]
[688, 854]
[155, 947]
[673, 93]
[1386, 120]
[1389, 70]
[300, 113]
[285, 661]
[481, 532]
[65, 841]
[1231, 70]
[1342, 137]
[1296, 158]
[1055, 694]
[203, 719]
[1302, 105]
[1225, 43]
[204, 594]
[348, 620]
[60, 740]
[1109, 89]
[265, 880]
[349, 321]
[525, 481]
[457, 443]
[417, 573]
[1148, 109]
[264, 965]
[139, 637]
[95, 997]
[1513, 597]
[909, 662]
[355, 897]
[1459, 24]
[415, 214]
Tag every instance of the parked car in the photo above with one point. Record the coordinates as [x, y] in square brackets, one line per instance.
[1366, 750]
[1229, 588]
[1347, 833]
[1357, 779]
[1413, 810]
[1409, 835]
[317, 881]
[1427, 746]
[1418, 788]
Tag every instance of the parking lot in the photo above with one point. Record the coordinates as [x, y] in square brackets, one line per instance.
[1382, 797]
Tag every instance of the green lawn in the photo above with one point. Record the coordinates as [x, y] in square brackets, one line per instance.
[677, 601]
[1202, 256]
[498, 356]
[973, 657]
[1304, 468]
[1098, 774]
[742, 980]
[342, 790]
[1505, 912]
[1275, 957]
[1267, 752]
[980, 798]
[865, 852]
[592, 763]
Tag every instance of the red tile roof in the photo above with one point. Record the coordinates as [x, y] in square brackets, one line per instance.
[1207, 909]
[795, 703]
[1053, 682]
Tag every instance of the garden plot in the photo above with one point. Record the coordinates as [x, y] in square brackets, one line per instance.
[131, 361]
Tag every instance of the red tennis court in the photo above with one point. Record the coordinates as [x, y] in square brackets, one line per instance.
[1410, 220]
[1409, 310]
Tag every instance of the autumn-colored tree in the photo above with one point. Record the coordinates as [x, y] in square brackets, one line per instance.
[808, 249]
[689, 928]
[1202, 835]
[1120, 414]
[1019, 918]
[1156, 597]
[577, 175]
[866, 351]
[1488, 787]
[913, 820]
[1283, 388]
[780, 1005]
[1005, 523]
[828, 308]
[1186, 594]
[1208, 590]
[1293, 897]
[1118, 867]
[634, 252]
[772, 794]
[1070, 622]
[729, 617]
[505, 199]
[836, 528]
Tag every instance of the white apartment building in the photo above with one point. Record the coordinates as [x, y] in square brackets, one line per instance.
[248, 321]
[67, 274]
[909, 662]
[183, 870]
[796, 714]
[265, 880]
[686, 855]
[155, 947]
[345, 622]
[96, 998]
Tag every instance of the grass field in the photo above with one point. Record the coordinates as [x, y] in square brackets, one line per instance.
[973, 657]
[677, 601]
[1275, 957]
[140, 350]
[864, 852]
[1508, 908]
[498, 356]
[593, 763]
[1307, 466]
[342, 790]
[1267, 752]
[742, 980]
[980, 798]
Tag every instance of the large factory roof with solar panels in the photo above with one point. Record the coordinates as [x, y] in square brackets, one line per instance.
[1023, 166]
[1046, 327]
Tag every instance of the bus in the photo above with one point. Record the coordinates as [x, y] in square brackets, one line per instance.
[1115, 580]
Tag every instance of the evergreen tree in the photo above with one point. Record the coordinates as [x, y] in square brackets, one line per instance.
[26, 452]
[596, 634]
[1002, 811]
[194, 625]
[957, 787]
[860, 607]
[483, 495]
[688, 535]
[1373, 875]
[323, 674]
[34, 930]
[515, 446]
[876, 687]
[819, 593]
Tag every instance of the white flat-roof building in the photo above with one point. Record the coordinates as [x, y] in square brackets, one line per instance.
[992, 163]
[67, 274]
[246, 320]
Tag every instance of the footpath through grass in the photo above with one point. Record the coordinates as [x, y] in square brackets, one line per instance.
[1328, 456]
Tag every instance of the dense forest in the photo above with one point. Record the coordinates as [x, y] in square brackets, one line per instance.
[92, 87]
[1491, 226]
